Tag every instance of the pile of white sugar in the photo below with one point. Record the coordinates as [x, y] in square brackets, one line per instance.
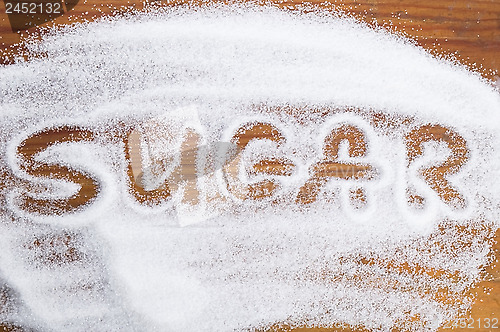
[245, 265]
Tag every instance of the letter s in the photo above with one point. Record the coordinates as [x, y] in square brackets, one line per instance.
[38, 142]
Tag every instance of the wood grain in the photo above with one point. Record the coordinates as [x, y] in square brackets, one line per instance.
[463, 28]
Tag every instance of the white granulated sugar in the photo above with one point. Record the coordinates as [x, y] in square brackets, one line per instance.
[235, 265]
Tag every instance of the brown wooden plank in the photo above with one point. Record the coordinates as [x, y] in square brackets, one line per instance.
[467, 28]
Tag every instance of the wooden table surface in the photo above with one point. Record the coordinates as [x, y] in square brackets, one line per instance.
[469, 29]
